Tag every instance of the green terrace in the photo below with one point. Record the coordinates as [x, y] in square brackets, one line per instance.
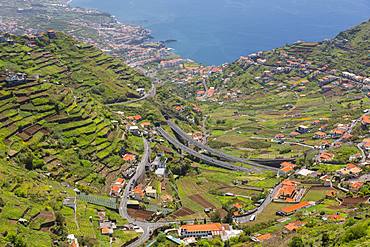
[52, 123]
[64, 60]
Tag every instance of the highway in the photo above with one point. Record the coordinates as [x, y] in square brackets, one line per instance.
[147, 227]
[215, 152]
[204, 158]
[265, 203]
[152, 92]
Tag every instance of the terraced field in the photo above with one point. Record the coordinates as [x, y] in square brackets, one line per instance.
[52, 117]
[54, 125]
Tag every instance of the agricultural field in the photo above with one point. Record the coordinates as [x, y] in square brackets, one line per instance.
[247, 127]
[54, 125]
[207, 187]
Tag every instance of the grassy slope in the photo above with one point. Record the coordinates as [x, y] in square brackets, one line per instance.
[77, 142]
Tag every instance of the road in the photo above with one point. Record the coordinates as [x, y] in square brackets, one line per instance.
[300, 144]
[147, 227]
[349, 131]
[265, 203]
[152, 92]
[205, 158]
[215, 152]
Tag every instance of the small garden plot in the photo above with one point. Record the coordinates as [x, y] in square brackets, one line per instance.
[182, 212]
[107, 202]
[201, 201]
[316, 193]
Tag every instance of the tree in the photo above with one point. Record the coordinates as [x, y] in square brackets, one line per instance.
[325, 239]
[16, 240]
[296, 242]
[215, 217]
[356, 231]
[161, 238]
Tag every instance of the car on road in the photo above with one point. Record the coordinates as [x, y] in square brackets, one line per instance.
[252, 218]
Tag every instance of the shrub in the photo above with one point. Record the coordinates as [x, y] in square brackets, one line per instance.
[356, 231]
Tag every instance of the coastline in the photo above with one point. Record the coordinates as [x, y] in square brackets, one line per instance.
[149, 36]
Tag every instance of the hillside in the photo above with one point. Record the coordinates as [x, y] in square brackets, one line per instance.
[55, 128]
[71, 126]
[273, 92]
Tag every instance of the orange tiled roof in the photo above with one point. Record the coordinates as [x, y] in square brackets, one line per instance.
[287, 164]
[136, 117]
[144, 124]
[203, 227]
[335, 217]
[128, 157]
[338, 131]
[200, 92]
[139, 191]
[331, 193]
[293, 226]
[287, 169]
[264, 237]
[288, 182]
[357, 184]
[326, 156]
[278, 136]
[287, 190]
[105, 230]
[350, 166]
[366, 119]
[237, 205]
[294, 133]
[320, 133]
[295, 207]
[115, 188]
[120, 180]
[289, 200]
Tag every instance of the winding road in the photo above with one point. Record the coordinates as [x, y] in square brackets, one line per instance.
[215, 152]
[148, 227]
[204, 158]
[265, 203]
[152, 92]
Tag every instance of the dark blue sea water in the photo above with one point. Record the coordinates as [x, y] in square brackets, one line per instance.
[218, 31]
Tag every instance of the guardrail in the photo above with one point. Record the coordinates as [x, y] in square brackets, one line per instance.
[215, 152]
[205, 158]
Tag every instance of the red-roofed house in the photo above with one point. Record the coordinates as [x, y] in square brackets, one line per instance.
[293, 208]
[201, 230]
[279, 136]
[263, 237]
[129, 157]
[319, 135]
[335, 217]
[287, 191]
[294, 226]
[326, 156]
[145, 124]
[350, 169]
[287, 167]
[366, 143]
[294, 134]
[117, 187]
[356, 185]
[211, 91]
[337, 133]
[365, 120]
[139, 192]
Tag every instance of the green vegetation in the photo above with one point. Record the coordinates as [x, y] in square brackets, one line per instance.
[54, 126]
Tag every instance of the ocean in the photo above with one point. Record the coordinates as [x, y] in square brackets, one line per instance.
[213, 32]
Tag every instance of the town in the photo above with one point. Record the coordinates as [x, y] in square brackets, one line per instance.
[125, 143]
